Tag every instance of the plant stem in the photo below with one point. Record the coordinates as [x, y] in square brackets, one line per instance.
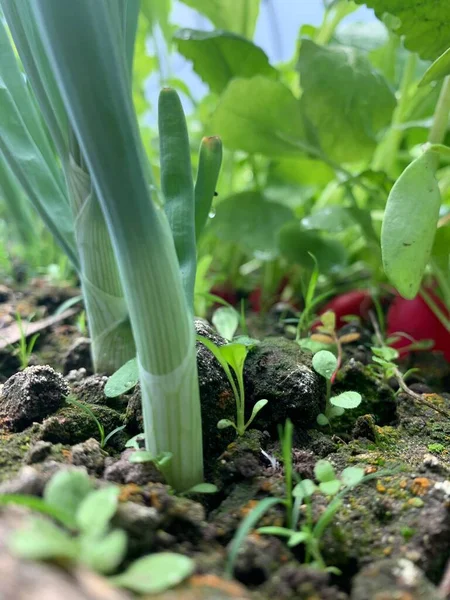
[386, 154]
[440, 120]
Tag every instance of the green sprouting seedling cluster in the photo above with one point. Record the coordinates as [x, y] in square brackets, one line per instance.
[308, 531]
[325, 363]
[232, 357]
[80, 532]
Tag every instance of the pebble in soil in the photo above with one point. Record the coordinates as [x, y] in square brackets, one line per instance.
[31, 395]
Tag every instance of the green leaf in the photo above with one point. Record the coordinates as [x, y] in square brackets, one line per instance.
[324, 471]
[25, 149]
[259, 115]
[238, 17]
[226, 320]
[209, 162]
[352, 476]
[235, 355]
[97, 510]
[297, 244]
[158, 13]
[42, 540]
[345, 99]
[324, 362]
[67, 489]
[409, 225]
[122, 380]
[177, 184]
[220, 56]
[155, 573]
[39, 505]
[322, 420]
[203, 488]
[330, 488]
[385, 352]
[251, 221]
[304, 489]
[298, 538]
[225, 424]
[424, 23]
[438, 70]
[273, 530]
[103, 554]
[331, 218]
[346, 400]
[256, 408]
[244, 529]
[335, 411]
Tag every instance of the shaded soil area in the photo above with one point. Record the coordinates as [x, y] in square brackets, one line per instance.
[390, 538]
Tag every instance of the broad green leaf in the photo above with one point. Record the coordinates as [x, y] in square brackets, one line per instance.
[297, 244]
[347, 102]
[43, 540]
[322, 420]
[330, 488]
[259, 115]
[324, 363]
[97, 509]
[346, 400]
[155, 573]
[235, 355]
[331, 218]
[67, 489]
[239, 17]
[351, 476]
[220, 56]
[226, 320]
[424, 23]
[122, 380]
[252, 222]
[438, 70]
[409, 225]
[105, 553]
[304, 489]
[335, 411]
[324, 471]
[157, 12]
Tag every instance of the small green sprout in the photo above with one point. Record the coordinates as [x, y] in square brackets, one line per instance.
[232, 358]
[24, 348]
[325, 363]
[84, 535]
[104, 439]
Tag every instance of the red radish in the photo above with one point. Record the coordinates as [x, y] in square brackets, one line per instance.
[416, 319]
[226, 292]
[356, 302]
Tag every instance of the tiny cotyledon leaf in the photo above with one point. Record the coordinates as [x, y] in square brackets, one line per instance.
[409, 224]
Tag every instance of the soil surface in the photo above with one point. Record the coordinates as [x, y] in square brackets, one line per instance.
[389, 540]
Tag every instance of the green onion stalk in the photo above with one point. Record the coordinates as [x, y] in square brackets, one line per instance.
[109, 326]
[85, 45]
